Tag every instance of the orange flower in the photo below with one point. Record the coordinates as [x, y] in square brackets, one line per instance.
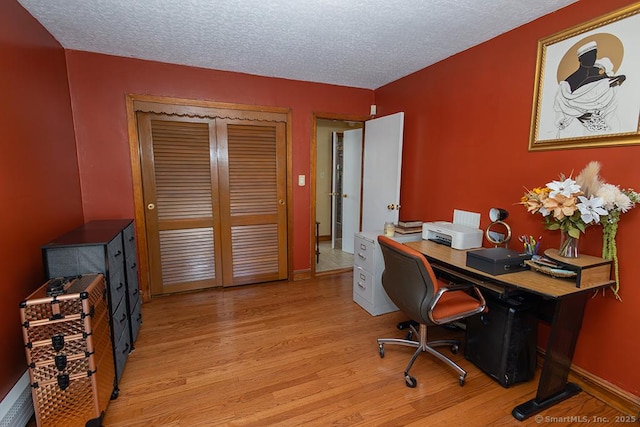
[561, 206]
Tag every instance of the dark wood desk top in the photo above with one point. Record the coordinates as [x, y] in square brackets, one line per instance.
[526, 280]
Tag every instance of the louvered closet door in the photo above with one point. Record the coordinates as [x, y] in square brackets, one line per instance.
[253, 188]
[215, 197]
[179, 168]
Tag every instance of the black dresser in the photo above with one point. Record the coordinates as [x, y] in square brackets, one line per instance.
[107, 247]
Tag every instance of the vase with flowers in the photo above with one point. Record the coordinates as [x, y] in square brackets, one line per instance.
[564, 207]
[572, 205]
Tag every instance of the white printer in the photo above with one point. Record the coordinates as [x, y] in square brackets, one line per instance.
[462, 233]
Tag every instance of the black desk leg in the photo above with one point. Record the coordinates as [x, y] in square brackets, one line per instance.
[553, 386]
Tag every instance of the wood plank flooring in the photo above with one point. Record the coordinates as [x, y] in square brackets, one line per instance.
[303, 353]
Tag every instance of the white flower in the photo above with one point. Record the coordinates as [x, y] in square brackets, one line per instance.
[623, 202]
[566, 188]
[608, 193]
[613, 198]
[591, 209]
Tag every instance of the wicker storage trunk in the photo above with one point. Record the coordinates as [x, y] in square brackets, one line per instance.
[69, 354]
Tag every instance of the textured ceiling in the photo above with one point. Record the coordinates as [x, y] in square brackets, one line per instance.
[357, 43]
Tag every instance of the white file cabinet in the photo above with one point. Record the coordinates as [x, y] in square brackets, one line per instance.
[368, 266]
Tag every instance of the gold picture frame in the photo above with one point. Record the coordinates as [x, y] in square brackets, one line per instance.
[587, 84]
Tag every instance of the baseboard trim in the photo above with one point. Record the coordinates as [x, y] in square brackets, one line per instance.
[16, 409]
[301, 274]
[601, 389]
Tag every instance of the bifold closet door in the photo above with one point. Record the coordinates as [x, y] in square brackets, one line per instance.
[180, 186]
[253, 193]
[215, 197]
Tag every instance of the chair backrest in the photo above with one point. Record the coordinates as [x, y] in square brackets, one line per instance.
[408, 279]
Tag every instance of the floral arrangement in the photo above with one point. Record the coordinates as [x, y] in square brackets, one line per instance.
[572, 205]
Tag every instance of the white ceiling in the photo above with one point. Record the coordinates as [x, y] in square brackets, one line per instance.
[357, 43]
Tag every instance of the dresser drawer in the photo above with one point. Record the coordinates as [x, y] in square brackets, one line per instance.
[121, 351]
[363, 284]
[132, 282]
[120, 320]
[116, 254]
[364, 252]
[117, 287]
[136, 320]
[129, 238]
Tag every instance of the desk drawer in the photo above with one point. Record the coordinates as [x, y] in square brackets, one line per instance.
[363, 284]
[364, 252]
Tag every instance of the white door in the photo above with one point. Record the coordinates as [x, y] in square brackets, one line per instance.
[382, 168]
[352, 162]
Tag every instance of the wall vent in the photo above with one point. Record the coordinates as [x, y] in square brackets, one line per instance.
[16, 408]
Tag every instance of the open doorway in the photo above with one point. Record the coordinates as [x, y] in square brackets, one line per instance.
[338, 162]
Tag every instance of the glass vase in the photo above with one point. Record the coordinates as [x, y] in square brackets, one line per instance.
[568, 246]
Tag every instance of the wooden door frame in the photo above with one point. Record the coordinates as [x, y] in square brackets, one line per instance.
[314, 158]
[136, 171]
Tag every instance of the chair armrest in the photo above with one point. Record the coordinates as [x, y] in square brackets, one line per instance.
[457, 287]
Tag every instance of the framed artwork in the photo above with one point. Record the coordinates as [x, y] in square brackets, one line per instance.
[587, 84]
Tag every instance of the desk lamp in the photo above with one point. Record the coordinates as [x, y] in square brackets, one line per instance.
[498, 232]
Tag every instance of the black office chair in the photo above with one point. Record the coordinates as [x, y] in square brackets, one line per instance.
[410, 283]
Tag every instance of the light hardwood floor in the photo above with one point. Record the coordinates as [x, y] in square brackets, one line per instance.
[302, 353]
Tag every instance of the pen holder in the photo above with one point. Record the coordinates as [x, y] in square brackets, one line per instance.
[531, 245]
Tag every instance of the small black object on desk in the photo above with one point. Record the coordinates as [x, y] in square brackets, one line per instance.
[497, 261]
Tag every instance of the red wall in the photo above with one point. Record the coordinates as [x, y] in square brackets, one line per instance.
[39, 184]
[467, 122]
[99, 84]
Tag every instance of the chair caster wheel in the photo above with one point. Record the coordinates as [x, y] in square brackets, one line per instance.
[454, 349]
[461, 380]
[381, 350]
[409, 335]
[410, 381]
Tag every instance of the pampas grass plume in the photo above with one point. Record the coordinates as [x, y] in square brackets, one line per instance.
[589, 179]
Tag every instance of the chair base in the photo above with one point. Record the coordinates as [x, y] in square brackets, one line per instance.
[424, 346]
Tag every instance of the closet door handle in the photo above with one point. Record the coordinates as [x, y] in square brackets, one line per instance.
[151, 206]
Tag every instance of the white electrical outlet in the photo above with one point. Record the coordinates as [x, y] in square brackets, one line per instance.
[301, 180]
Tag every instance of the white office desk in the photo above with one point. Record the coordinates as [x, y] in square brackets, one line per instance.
[561, 304]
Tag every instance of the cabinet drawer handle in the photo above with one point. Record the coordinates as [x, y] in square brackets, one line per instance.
[133, 266]
[361, 256]
[118, 253]
[120, 286]
[362, 276]
[361, 286]
[363, 246]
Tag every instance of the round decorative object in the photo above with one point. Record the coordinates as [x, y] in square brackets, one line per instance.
[498, 233]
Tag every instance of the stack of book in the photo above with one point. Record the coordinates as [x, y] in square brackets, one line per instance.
[409, 227]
